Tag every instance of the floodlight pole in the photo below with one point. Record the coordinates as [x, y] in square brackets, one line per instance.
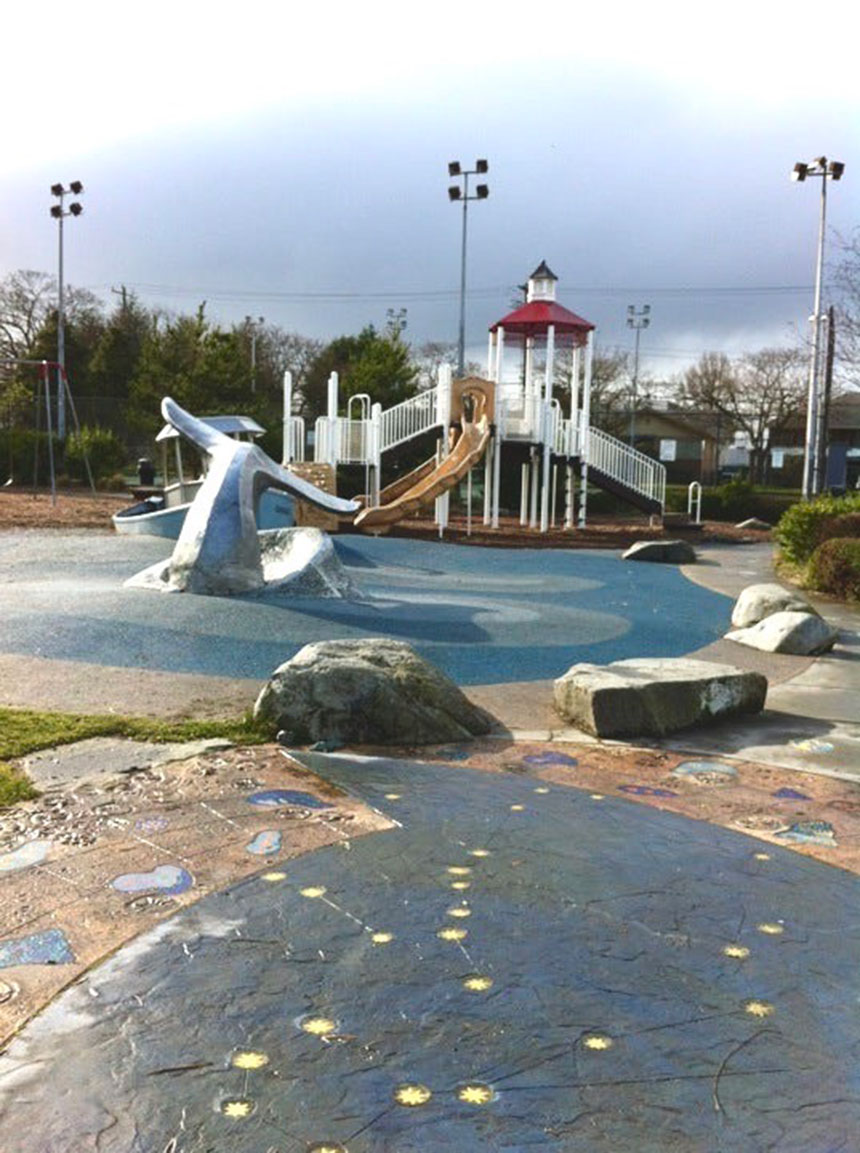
[827, 170]
[456, 193]
[59, 213]
[637, 321]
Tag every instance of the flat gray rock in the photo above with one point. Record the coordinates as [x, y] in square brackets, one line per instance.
[371, 691]
[802, 634]
[763, 600]
[96, 756]
[754, 522]
[652, 697]
[661, 551]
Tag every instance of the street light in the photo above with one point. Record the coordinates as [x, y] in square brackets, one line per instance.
[59, 213]
[827, 170]
[456, 192]
[638, 321]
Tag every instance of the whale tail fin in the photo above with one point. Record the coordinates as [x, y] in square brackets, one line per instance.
[191, 427]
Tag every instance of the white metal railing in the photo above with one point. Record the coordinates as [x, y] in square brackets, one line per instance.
[624, 464]
[294, 439]
[694, 497]
[409, 418]
[339, 440]
[568, 436]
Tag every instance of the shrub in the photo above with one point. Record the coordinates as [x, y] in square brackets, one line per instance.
[834, 567]
[100, 446]
[19, 448]
[800, 528]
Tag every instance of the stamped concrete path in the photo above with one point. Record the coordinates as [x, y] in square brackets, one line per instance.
[515, 966]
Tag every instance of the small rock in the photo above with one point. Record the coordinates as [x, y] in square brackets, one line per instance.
[802, 634]
[762, 600]
[661, 551]
[755, 523]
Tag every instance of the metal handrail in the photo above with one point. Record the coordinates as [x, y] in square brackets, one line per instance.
[339, 440]
[409, 418]
[694, 496]
[627, 465]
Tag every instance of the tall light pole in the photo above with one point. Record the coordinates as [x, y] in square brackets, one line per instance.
[456, 192]
[59, 212]
[827, 170]
[637, 321]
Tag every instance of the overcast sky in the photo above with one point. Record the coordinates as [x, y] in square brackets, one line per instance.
[293, 164]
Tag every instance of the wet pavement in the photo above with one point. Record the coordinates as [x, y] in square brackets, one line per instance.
[516, 965]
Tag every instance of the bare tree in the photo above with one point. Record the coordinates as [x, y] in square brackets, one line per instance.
[758, 394]
[847, 281]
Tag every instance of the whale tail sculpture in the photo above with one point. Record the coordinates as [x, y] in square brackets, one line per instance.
[218, 550]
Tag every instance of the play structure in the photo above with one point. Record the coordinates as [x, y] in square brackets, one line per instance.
[510, 421]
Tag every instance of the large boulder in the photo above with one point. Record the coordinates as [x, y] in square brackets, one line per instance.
[661, 551]
[802, 634]
[762, 600]
[652, 697]
[371, 691]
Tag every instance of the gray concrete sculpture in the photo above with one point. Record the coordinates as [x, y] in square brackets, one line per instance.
[218, 551]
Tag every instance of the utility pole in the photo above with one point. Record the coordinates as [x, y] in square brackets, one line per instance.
[824, 423]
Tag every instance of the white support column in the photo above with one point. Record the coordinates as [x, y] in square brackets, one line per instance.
[576, 368]
[332, 420]
[533, 489]
[443, 400]
[375, 452]
[287, 440]
[490, 346]
[497, 470]
[546, 429]
[553, 496]
[524, 494]
[586, 426]
[488, 481]
[500, 352]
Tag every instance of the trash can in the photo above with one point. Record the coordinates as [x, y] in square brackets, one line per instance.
[146, 472]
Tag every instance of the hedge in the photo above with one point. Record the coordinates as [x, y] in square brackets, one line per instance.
[807, 524]
[834, 567]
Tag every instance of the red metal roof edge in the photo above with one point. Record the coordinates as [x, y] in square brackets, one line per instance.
[538, 315]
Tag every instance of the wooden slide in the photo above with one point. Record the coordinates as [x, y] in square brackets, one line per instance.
[469, 449]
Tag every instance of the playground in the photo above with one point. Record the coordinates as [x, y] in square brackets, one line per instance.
[534, 939]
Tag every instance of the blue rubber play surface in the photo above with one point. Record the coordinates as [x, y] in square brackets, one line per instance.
[482, 615]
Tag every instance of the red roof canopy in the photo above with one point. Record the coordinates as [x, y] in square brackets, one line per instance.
[535, 318]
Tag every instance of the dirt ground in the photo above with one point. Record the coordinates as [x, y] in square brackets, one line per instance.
[78, 509]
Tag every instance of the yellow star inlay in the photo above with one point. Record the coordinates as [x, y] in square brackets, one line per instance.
[412, 1095]
[475, 1094]
[739, 952]
[314, 891]
[381, 938]
[597, 1041]
[479, 853]
[327, 1147]
[392, 796]
[770, 928]
[274, 876]
[247, 1059]
[762, 856]
[452, 934]
[597, 796]
[477, 983]
[459, 870]
[461, 884]
[542, 789]
[758, 1008]
[517, 808]
[236, 1107]
[319, 1026]
[459, 911]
